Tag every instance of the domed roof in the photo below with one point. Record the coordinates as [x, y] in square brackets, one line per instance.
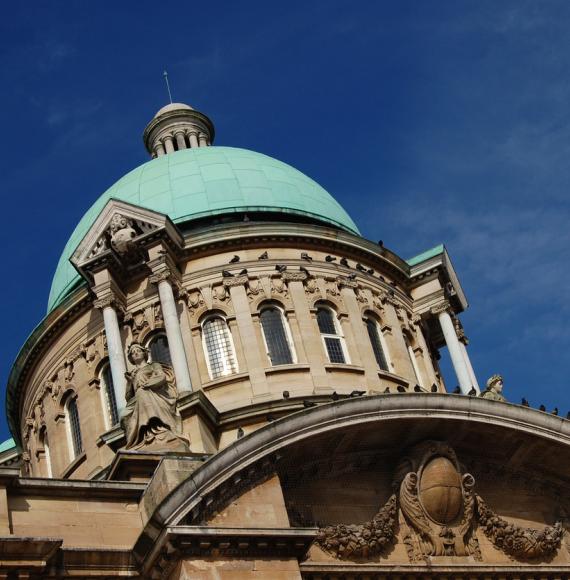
[173, 107]
[207, 181]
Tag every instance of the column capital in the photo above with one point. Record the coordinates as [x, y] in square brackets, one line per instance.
[110, 300]
[444, 306]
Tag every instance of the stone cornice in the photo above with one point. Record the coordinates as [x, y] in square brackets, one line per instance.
[247, 461]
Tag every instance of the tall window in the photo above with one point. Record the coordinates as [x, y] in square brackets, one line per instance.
[413, 360]
[108, 394]
[276, 336]
[219, 348]
[46, 463]
[159, 351]
[376, 342]
[331, 335]
[73, 427]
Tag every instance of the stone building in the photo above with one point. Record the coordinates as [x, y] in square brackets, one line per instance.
[232, 383]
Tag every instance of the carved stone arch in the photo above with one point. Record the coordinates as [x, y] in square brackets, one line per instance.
[282, 301]
[369, 422]
[334, 303]
[206, 313]
[69, 391]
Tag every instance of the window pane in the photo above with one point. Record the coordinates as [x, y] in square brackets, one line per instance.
[334, 349]
[219, 347]
[376, 344]
[326, 321]
[73, 416]
[275, 337]
[159, 351]
[110, 394]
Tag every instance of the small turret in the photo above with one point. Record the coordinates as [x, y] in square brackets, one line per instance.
[177, 126]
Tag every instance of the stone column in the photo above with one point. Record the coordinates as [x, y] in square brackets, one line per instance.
[454, 347]
[474, 382]
[173, 330]
[194, 140]
[159, 150]
[203, 139]
[180, 140]
[169, 144]
[115, 349]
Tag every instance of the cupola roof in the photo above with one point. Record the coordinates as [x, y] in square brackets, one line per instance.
[201, 182]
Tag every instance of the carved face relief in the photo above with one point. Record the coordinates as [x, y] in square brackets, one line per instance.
[122, 234]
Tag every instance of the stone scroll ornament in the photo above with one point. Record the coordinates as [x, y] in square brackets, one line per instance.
[437, 504]
[438, 512]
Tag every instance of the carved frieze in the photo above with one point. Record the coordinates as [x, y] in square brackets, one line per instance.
[518, 542]
[438, 513]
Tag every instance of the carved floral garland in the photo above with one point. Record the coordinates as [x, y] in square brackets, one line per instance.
[361, 541]
[521, 543]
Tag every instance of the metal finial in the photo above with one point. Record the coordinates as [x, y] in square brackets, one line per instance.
[165, 74]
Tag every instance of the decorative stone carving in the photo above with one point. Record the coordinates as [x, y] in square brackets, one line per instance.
[361, 541]
[236, 281]
[253, 289]
[441, 307]
[437, 504]
[279, 287]
[494, 390]
[151, 420]
[294, 276]
[137, 321]
[517, 542]
[221, 293]
[121, 233]
[194, 300]
[157, 315]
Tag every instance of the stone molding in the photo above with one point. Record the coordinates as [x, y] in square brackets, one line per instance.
[444, 306]
[259, 453]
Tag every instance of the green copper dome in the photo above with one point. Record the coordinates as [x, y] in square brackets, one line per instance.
[207, 181]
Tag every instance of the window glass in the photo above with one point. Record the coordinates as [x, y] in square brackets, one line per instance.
[275, 335]
[109, 395]
[219, 349]
[74, 427]
[331, 337]
[376, 343]
[159, 351]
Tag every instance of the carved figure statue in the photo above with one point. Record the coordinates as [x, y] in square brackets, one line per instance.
[122, 233]
[494, 390]
[151, 418]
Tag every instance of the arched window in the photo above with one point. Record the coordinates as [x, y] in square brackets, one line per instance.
[377, 343]
[44, 443]
[276, 335]
[159, 351]
[331, 335]
[219, 348]
[108, 394]
[73, 427]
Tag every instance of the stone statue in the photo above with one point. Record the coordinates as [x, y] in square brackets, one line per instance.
[494, 390]
[151, 420]
[122, 233]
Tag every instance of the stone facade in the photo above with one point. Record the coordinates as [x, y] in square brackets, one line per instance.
[300, 361]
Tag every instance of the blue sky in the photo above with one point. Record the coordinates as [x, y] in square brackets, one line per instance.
[430, 122]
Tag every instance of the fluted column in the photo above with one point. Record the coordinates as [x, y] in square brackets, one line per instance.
[115, 349]
[173, 330]
[180, 140]
[454, 347]
[194, 139]
[169, 144]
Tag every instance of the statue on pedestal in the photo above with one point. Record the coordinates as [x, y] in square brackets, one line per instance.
[151, 420]
[494, 390]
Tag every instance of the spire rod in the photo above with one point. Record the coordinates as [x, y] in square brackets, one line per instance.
[165, 74]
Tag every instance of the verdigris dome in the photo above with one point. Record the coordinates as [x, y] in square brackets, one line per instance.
[209, 181]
